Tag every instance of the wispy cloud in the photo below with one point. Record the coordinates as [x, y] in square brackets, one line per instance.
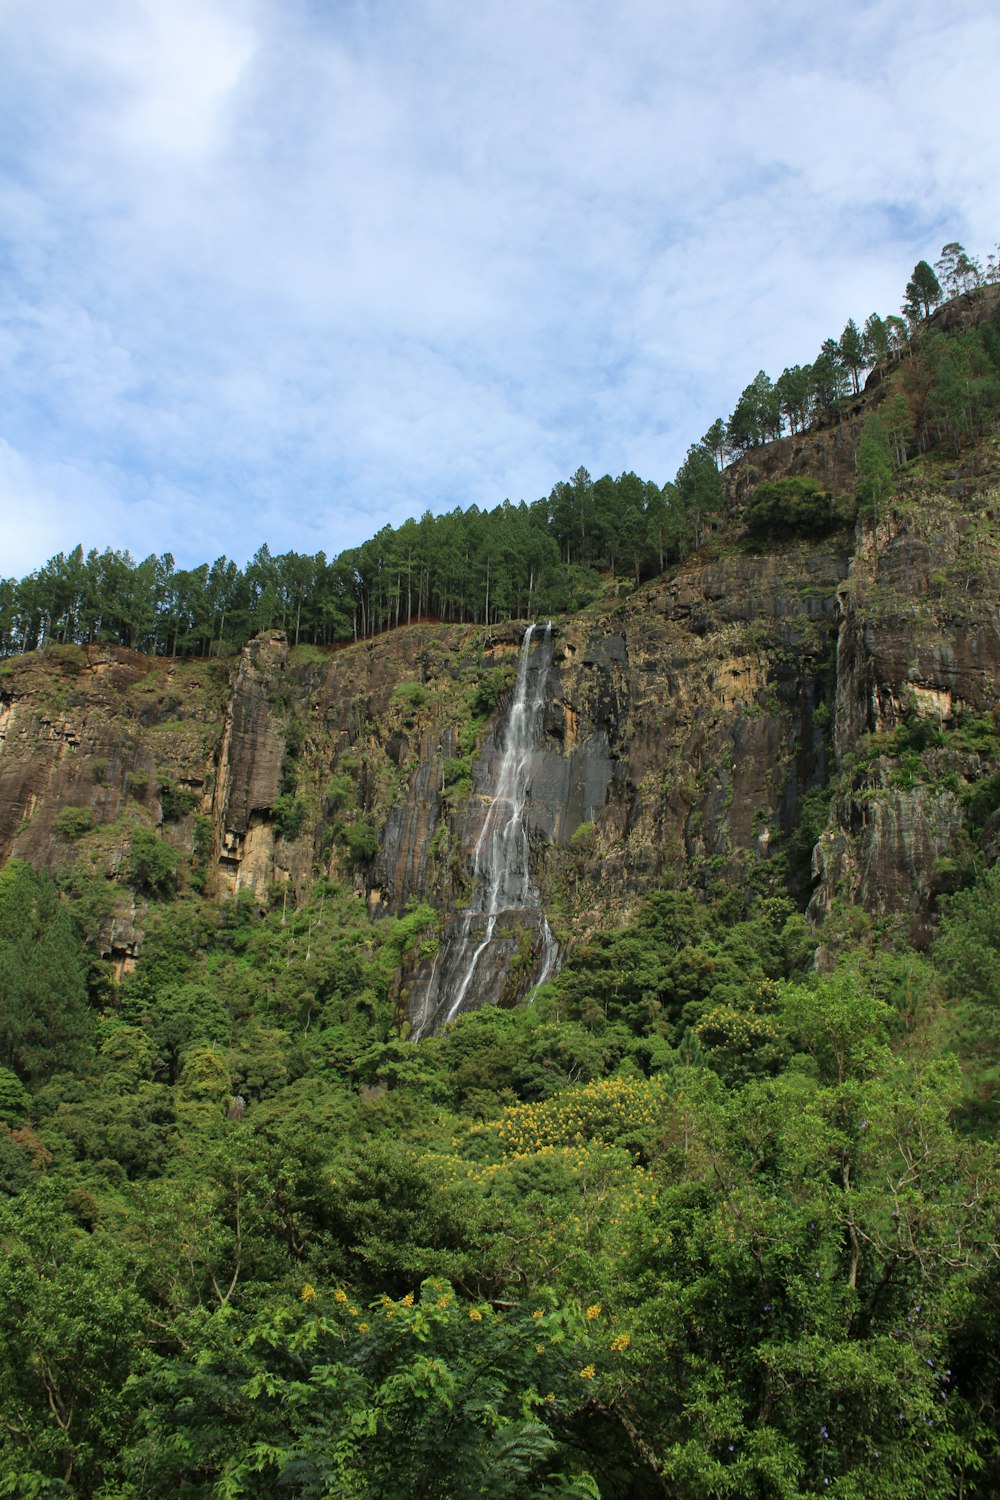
[291, 272]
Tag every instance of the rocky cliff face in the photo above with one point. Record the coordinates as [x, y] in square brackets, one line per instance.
[915, 714]
[250, 760]
[687, 730]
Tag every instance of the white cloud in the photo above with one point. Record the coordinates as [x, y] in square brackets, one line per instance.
[289, 272]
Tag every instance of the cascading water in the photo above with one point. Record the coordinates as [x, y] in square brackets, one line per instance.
[505, 895]
[501, 861]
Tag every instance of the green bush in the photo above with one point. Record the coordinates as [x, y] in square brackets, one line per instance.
[360, 841]
[412, 696]
[204, 836]
[486, 696]
[340, 792]
[152, 864]
[289, 813]
[456, 778]
[797, 506]
[176, 801]
[74, 822]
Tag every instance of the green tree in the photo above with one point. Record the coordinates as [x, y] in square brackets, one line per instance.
[828, 374]
[151, 864]
[71, 1331]
[699, 491]
[874, 464]
[957, 271]
[714, 441]
[923, 292]
[853, 354]
[45, 1021]
[877, 346]
[897, 334]
[793, 389]
[757, 417]
[899, 428]
[967, 954]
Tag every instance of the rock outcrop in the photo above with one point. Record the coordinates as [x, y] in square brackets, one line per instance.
[251, 756]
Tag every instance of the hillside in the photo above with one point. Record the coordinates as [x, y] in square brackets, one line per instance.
[713, 1214]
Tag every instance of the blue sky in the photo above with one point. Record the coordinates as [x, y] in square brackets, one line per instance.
[289, 272]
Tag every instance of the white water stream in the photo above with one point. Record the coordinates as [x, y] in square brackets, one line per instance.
[501, 858]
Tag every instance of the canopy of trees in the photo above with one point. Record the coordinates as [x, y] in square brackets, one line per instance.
[697, 1222]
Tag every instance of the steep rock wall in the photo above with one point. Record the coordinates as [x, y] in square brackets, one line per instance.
[687, 727]
[918, 662]
[251, 756]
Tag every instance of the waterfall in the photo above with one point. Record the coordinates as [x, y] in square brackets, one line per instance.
[504, 892]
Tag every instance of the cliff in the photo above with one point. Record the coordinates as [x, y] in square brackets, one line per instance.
[812, 715]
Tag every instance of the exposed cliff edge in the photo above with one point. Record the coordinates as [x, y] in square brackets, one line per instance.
[752, 704]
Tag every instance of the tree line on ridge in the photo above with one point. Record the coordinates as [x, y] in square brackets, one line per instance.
[545, 557]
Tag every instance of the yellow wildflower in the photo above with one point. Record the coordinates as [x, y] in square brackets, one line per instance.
[593, 1312]
[442, 1302]
[339, 1296]
[539, 1312]
[407, 1301]
[475, 1316]
[621, 1343]
[588, 1372]
[308, 1293]
[362, 1327]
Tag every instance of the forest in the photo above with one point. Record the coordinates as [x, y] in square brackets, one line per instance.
[703, 1220]
[697, 1222]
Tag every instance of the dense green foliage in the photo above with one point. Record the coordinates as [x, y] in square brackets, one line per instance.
[696, 1222]
[789, 507]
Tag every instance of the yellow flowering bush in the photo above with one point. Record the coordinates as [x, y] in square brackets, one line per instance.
[600, 1111]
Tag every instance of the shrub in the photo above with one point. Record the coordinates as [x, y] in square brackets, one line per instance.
[340, 792]
[176, 801]
[152, 864]
[491, 687]
[289, 813]
[74, 822]
[785, 507]
[360, 840]
[412, 696]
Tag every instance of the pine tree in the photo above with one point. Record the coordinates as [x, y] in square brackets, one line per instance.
[923, 292]
[852, 353]
[874, 464]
